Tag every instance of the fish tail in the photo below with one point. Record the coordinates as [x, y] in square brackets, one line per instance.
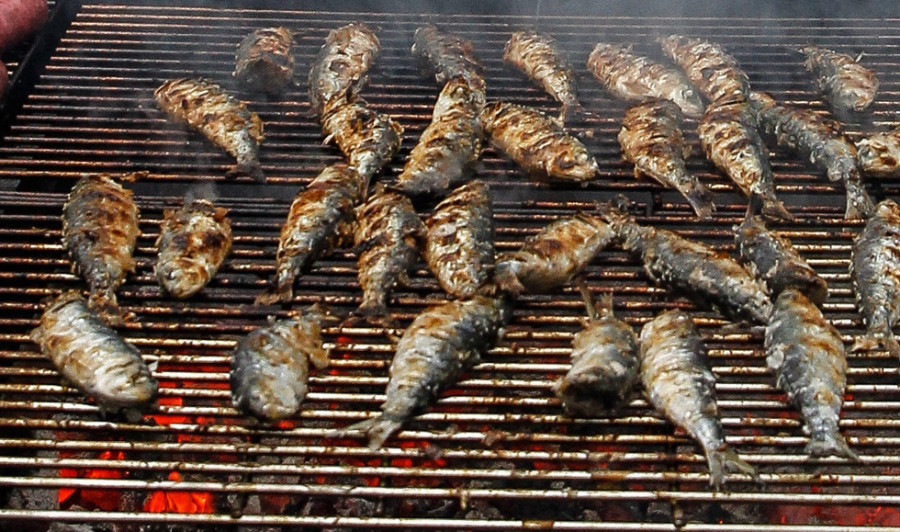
[378, 429]
[870, 341]
[274, 295]
[723, 460]
[700, 200]
[859, 204]
[375, 314]
[830, 443]
[506, 279]
[773, 208]
[251, 168]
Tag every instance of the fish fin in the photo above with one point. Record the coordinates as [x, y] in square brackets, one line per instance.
[830, 444]
[774, 209]
[700, 200]
[378, 429]
[320, 358]
[725, 460]
[868, 342]
[587, 296]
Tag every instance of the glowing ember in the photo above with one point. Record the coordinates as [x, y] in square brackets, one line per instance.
[92, 499]
[181, 502]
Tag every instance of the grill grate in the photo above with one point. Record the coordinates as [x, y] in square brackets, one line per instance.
[498, 438]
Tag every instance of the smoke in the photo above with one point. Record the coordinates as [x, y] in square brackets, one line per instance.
[204, 190]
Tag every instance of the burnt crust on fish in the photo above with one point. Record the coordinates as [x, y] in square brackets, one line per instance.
[448, 56]
[847, 85]
[320, 218]
[100, 231]
[338, 72]
[630, 76]
[652, 140]
[264, 61]
[878, 154]
[537, 143]
[450, 144]
[806, 354]
[459, 241]
[367, 138]
[224, 120]
[714, 72]
[678, 381]
[193, 242]
[92, 356]
[539, 56]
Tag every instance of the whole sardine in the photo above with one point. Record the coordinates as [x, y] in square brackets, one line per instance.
[387, 236]
[879, 154]
[100, 231]
[192, 244]
[338, 73]
[448, 56]
[729, 136]
[710, 278]
[605, 364]
[367, 138]
[846, 84]
[439, 345]
[712, 70]
[92, 356]
[459, 241]
[554, 256]
[270, 366]
[221, 118]
[806, 354]
[651, 139]
[450, 144]
[773, 259]
[821, 141]
[629, 76]
[537, 142]
[538, 55]
[264, 61]
[320, 218]
[875, 271]
[678, 381]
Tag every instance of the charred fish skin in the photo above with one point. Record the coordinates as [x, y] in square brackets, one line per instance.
[713, 71]
[629, 76]
[605, 365]
[439, 345]
[772, 258]
[847, 85]
[729, 136]
[193, 242]
[821, 141]
[448, 56]
[224, 120]
[537, 143]
[708, 277]
[92, 356]
[806, 354]
[450, 144]
[319, 218]
[554, 256]
[678, 381]
[367, 138]
[875, 272]
[338, 73]
[270, 366]
[264, 61]
[459, 241]
[100, 231]
[878, 154]
[538, 55]
[652, 140]
[388, 235]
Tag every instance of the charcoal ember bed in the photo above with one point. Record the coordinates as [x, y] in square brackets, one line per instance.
[495, 452]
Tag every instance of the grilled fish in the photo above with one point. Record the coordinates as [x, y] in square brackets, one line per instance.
[538, 55]
[676, 375]
[338, 73]
[875, 271]
[368, 138]
[537, 143]
[731, 141]
[192, 243]
[605, 364]
[846, 84]
[264, 61]
[270, 366]
[818, 139]
[712, 70]
[224, 120]
[449, 146]
[439, 345]
[448, 56]
[772, 258]
[320, 218]
[710, 278]
[651, 139]
[879, 154]
[459, 245]
[807, 356]
[100, 231]
[554, 256]
[92, 356]
[387, 237]
[629, 76]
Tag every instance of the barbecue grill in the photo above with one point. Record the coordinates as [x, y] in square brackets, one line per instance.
[495, 452]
